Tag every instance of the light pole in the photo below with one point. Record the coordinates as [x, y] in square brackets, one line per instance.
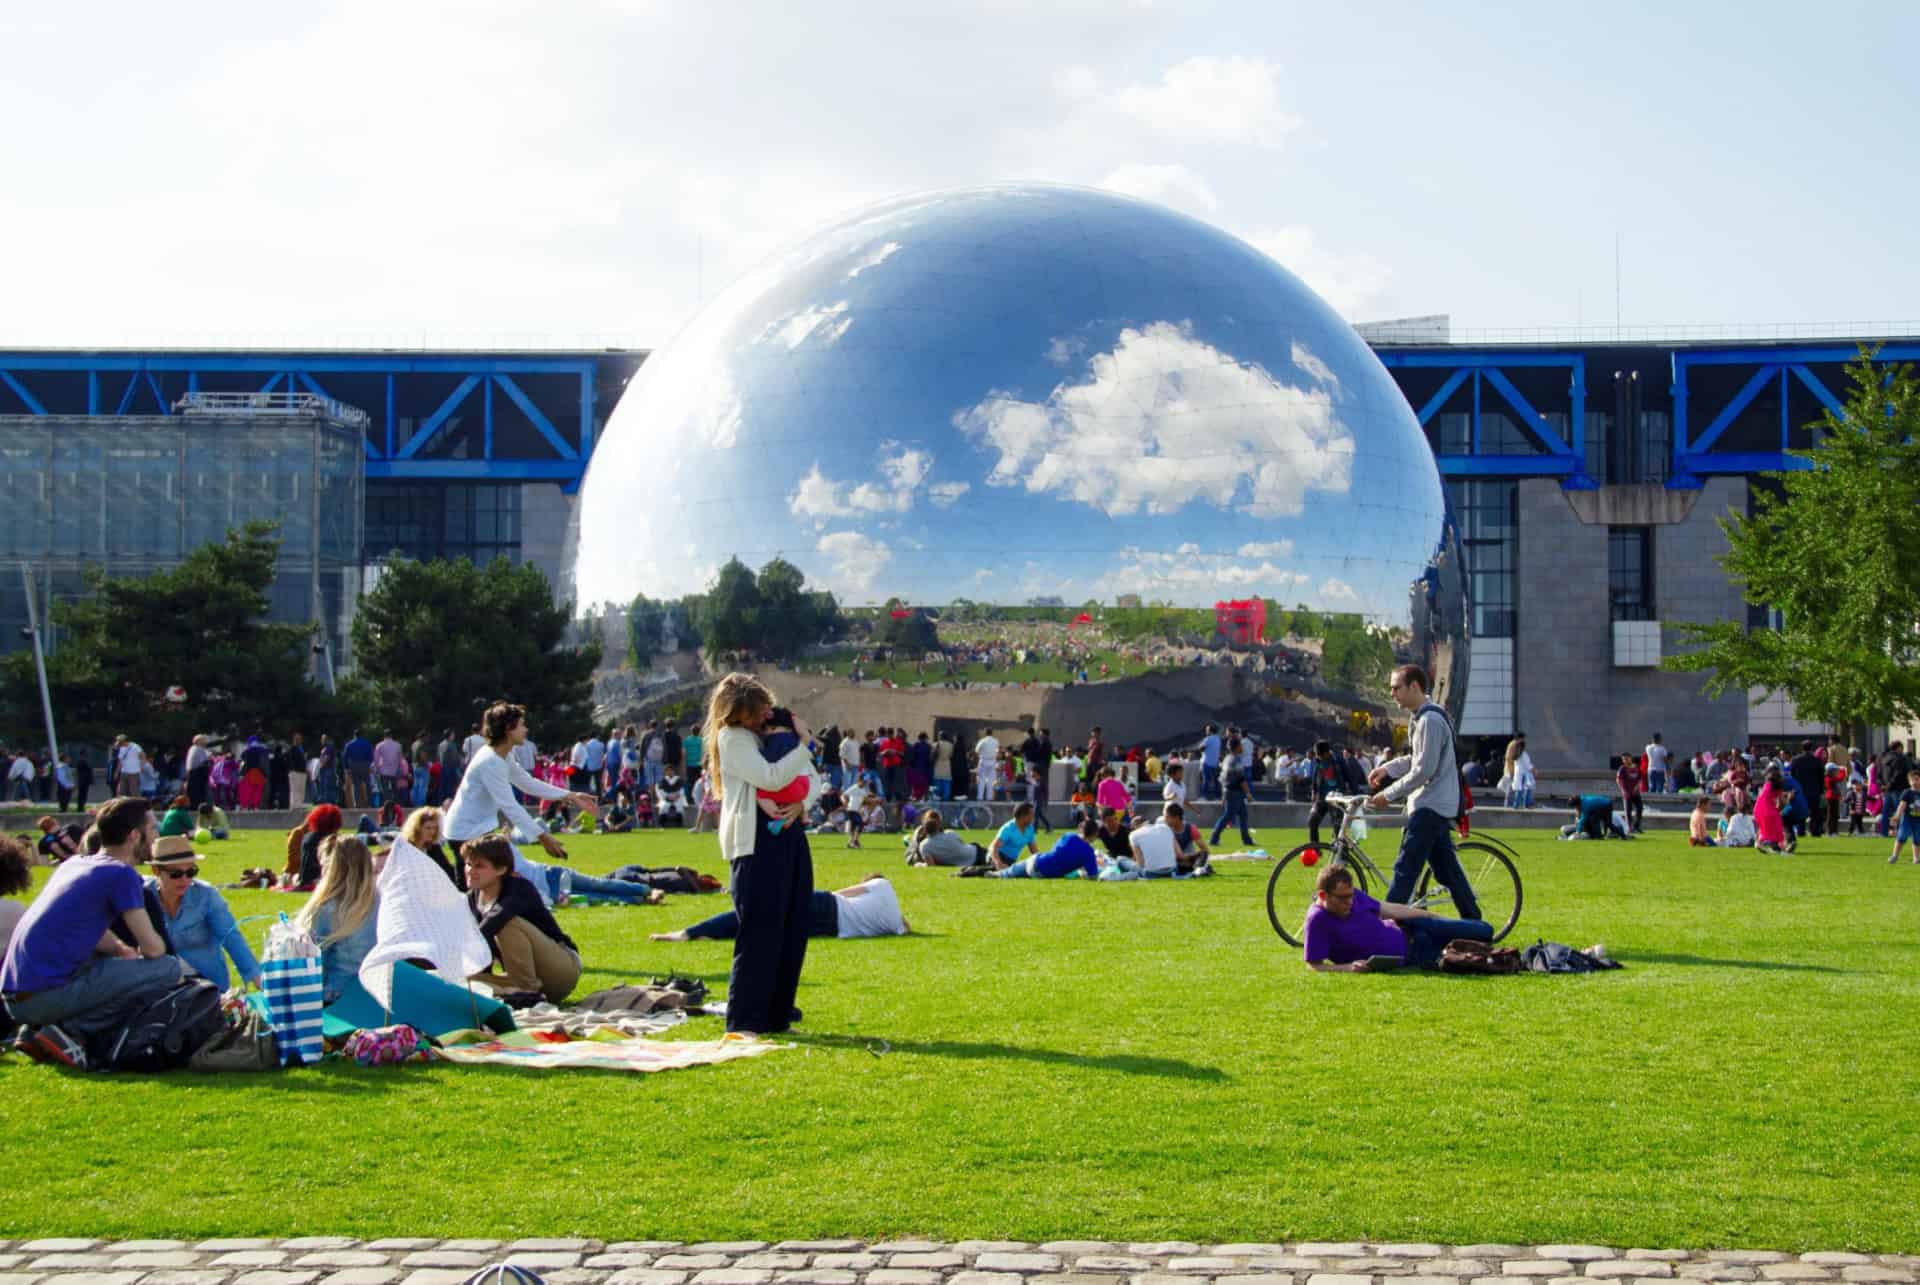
[40, 660]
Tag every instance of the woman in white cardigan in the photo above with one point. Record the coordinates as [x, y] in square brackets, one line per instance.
[772, 873]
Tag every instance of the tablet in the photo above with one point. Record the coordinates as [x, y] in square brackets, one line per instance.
[1384, 963]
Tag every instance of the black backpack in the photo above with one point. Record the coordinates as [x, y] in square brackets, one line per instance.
[1553, 957]
[162, 1034]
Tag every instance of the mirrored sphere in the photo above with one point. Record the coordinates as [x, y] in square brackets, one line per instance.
[1038, 398]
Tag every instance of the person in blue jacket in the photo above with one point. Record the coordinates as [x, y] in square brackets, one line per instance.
[194, 917]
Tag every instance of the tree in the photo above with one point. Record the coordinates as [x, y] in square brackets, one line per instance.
[201, 626]
[1830, 553]
[728, 615]
[440, 641]
[646, 630]
[772, 614]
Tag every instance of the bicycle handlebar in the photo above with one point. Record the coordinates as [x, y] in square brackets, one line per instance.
[1349, 801]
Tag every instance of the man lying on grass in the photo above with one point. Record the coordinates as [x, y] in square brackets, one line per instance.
[1346, 929]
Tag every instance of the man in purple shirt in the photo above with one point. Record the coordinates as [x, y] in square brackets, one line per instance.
[389, 764]
[1345, 928]
[67, 973]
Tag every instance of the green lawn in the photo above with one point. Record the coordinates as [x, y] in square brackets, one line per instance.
[1120, 1061]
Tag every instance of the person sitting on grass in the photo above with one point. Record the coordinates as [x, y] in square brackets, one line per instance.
[58, 842]
[1736, 829]
[213, 819]
[178, 818]
[1346, 928]
[422, 829]
[1193, 857]
[1014, 839]
[873, 814]
[197, 919]
[1156, 848]
[670, 800]
[343, 913]
[533, 956]
[869, 908]
[16, 877]
[66, 973]
[1698, 830]
[1072, 852]
[1904, 824]
[619, 817]
[1115, 833]
[932, 844]
[706, 808]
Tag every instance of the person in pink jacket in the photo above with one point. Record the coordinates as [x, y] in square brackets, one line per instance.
[1771, 831]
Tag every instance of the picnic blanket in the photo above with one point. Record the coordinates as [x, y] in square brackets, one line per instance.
[422, 916]
[607, 1051]
[588, 1024]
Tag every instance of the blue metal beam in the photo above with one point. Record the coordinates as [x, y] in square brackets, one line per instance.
[126, 396]
[586, 413]
[477, 470]
[390, 417]
[486, 421]
[1532, 420]
[1439, 399]
[1819, 390]
[1905, 351]
[425, 432]
[1741, 400]
[158, 396]
[1737, 462]
[31, 402]
[277, 363]
[1505, 465]
[1451, 357]
[533, 414]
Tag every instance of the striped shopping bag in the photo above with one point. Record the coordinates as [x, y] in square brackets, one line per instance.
[291, 978]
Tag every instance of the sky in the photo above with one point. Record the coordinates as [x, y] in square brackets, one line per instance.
[572, 173]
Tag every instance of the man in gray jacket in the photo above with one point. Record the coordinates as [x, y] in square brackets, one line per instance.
[1427, 777]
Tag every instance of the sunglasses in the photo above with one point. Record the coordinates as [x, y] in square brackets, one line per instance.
[174, 872]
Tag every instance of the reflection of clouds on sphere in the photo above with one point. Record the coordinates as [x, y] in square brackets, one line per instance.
[1014, 392]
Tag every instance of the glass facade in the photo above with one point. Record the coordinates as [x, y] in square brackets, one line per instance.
[424, 520]
[134, 494]
[1630, 572]
[1489, 531]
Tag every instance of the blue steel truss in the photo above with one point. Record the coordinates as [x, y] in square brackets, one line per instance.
[1562, 459]
[1694, 457]
[126, 383]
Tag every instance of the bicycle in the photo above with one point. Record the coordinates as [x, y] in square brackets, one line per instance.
[1490, 871]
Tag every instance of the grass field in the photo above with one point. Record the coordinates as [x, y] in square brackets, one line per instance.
[1128, 1061]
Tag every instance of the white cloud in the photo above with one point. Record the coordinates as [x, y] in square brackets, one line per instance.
[818, 498]
[878, 256]
[946, 494]
[1212, 100]
[1350, 283]
[1304, 359]
[1335, 590]
[1173, 185]
[857, 558]
[1164, 420]
[1266, 549]
[1187, 576]
[794, 329]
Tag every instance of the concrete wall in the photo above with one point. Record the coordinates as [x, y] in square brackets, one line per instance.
[1575, 706]
[544, 511]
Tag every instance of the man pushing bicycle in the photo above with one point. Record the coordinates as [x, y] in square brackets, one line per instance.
[1427, 777]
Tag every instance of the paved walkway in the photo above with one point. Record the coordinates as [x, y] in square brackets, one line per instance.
[340, 1260]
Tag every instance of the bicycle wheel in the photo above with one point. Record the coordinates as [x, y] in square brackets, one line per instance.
[1290, 888]
[1495, 883]
[976, 816]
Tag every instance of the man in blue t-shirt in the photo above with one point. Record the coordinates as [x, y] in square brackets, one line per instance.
[1015, 838]
[66, 972]
[1346, 928]
[1210, 763]
[356, 758]
[1903, 818]
[1072, 851]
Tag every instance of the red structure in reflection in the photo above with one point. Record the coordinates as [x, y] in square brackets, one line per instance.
[1242, 623]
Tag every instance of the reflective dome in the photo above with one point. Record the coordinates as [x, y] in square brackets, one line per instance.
[1041, 397]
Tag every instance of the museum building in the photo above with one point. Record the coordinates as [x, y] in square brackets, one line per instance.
[1585, 476]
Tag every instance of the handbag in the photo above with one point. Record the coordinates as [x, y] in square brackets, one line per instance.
[291, 977]
[245, 1043]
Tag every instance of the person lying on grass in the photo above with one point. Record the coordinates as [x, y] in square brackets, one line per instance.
[1346, 928]
[932, 844]
[869, 908]
[1072, 852]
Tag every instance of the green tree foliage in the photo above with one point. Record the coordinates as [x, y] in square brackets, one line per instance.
[913, 631]
[1834, 554]
[201, 626]
[772, 614]
[1353, 656]
[439, 641]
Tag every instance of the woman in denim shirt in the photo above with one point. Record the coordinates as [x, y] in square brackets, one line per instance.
[198, 922]
[342, 915]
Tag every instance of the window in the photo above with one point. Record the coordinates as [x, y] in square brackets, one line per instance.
[424, 520]
[1486, 514]
[1630, 572]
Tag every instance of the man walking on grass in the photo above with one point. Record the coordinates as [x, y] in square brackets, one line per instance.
[1427, 778]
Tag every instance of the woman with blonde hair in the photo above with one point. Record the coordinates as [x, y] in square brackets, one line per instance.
[342, 915]
[422, 829]
[772, 871]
